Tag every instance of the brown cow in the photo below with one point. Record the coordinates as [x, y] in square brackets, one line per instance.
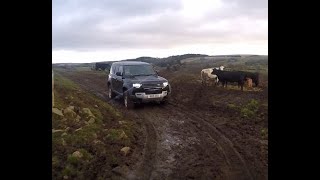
[249, 83]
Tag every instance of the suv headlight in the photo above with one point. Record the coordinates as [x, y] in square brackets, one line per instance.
[136, 85]
[165, 84]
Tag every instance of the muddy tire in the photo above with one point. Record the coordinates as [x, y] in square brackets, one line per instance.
[127, 101]
[111, 94]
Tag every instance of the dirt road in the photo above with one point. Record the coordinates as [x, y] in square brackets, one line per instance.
[186, 143]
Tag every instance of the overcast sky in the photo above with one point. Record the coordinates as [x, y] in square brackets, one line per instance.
[102, 30]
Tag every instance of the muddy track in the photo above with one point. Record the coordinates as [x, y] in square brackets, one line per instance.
[235, 161]
[179, 144]
[180, 150]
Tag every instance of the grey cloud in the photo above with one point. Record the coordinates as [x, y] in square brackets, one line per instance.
[249, 4]
[253, 9]
[120, 24]
[121, 8]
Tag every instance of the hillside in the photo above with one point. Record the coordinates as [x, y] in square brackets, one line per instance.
[88, 135]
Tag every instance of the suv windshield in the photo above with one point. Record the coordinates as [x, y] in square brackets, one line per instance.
[138, 70]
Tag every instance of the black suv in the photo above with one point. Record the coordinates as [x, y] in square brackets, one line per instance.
[137, 82]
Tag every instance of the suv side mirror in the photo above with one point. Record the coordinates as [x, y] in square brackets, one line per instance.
[118, 74]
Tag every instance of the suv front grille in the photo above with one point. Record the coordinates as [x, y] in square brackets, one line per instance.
[153, 91]
[152, 85]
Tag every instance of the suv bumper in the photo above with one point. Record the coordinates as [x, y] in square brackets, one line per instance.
[139, 96]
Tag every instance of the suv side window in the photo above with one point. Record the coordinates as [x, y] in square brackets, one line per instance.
[112, 70]
[115, 69]
[120, 69]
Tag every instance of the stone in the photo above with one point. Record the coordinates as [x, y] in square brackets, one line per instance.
[57, 111]
[125, 150]
[78, 129]
[56, 130]
[68, 112]
[77, 154]
[123, 135]
[122, 122]
[88, 112]
[91, 121]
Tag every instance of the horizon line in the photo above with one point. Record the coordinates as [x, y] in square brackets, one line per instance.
[161, 57]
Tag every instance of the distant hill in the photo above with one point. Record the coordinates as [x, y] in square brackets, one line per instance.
[248, 59]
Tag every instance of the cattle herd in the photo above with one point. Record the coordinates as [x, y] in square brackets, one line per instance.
[218, 75]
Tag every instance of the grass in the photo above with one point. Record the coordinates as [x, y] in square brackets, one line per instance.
[232, 106]
[248, 110]
[99, 142]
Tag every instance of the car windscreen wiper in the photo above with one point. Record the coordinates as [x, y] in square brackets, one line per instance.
[145, 74]
[130, 75]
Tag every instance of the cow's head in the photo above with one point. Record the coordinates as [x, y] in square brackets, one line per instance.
[214, 71]
[221, 68]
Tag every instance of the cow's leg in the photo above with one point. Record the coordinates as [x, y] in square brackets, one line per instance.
[217, 81]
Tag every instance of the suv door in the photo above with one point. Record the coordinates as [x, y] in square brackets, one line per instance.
[118, 79]
[112, 77]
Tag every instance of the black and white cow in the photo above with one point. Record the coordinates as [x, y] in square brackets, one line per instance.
[207, 76]
[230, 76]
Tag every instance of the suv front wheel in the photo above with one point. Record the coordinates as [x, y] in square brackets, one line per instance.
[111, 94]
[127, 101]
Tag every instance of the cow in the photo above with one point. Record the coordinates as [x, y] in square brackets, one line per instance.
[207, 75]
[230, 76]
[249, 82]
[254, 76]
